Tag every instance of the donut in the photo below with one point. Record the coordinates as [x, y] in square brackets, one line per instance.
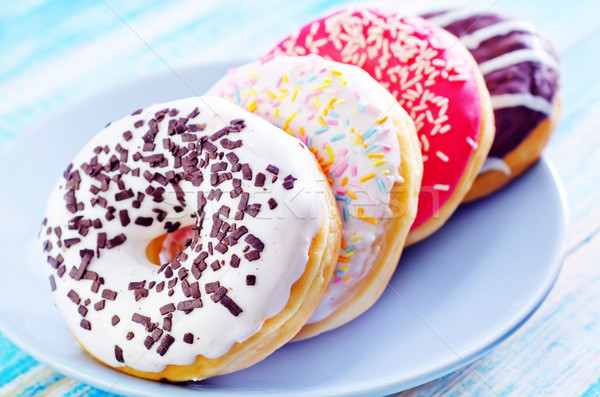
[522, 73]
[254, 271]
[433, 78]
[368, 148]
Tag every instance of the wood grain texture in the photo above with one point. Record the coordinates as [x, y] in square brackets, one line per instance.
[55, 53]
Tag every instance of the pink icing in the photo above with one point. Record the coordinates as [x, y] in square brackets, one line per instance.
[421, 65]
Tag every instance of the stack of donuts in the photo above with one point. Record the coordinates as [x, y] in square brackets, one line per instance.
[193, 238]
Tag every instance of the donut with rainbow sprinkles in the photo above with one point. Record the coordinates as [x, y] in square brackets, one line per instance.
[368, 148]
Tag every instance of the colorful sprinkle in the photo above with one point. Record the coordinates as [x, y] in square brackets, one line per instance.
[368, 149]
[382, 120]
[289, 119]
[370, 133]
[253, 106]
[367, 177]
[330, 152]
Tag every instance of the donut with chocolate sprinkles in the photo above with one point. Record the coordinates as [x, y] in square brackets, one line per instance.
[145, 235]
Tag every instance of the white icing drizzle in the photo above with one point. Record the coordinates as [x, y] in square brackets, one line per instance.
[286, 231]
[450, 17]
[528, 100]
[516, 57]
[501, 28]
[494, 164]
[473, 40]
[347, 103]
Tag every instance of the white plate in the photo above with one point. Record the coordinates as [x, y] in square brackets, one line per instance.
[453, 297]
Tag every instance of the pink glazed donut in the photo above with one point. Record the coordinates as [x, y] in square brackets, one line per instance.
[434, 77]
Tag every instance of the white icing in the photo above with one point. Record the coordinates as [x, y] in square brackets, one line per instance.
[516, 57]
[286, 231]
[494, 164]
[474, 39]
[357, 106]
[528, 100]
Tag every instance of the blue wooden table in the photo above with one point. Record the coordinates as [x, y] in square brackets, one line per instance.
[55, 53]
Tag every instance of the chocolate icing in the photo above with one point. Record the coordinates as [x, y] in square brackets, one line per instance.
[513, 124]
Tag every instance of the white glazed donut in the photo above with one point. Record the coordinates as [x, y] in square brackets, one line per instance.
[368, 148]
[265, 242]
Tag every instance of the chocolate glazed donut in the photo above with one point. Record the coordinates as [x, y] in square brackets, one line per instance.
[521, 71]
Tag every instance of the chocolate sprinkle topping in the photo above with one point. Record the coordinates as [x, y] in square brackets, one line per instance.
[136, 285]
[218, 294]
[165, 344]
[289, 184]
[116, 241]
[167, 322]
[124, 218]
[260, 180]
[272, 203]
[82, 310]
[167, 309]
[188, 338]
[140, 319]
[189, 304]
[85, 324]
[255, 242]
[71, 241]
[144, 221]
[109, 294]
[231, 305]
[273, 169]
[235, 261]
[74, 297]
[148, 342]
[211, 287]
[252, 255]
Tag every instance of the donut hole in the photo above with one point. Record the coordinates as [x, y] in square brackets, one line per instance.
[165, 247]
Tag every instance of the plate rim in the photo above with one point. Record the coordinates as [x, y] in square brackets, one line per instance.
[360, 388]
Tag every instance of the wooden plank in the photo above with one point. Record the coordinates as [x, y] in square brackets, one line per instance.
[575, 148]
